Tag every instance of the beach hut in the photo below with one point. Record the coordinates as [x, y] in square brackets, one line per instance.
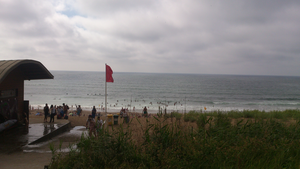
[12, 76]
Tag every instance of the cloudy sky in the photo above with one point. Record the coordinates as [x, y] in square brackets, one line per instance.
[251, 37]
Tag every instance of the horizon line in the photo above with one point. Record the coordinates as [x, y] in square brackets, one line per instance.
[178, 73]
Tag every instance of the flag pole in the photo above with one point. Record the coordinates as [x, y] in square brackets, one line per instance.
[105, 95]
[108, 78]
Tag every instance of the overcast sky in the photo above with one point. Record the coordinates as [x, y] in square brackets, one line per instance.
[251, 37]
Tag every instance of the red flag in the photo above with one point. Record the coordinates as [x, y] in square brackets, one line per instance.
[109, 73]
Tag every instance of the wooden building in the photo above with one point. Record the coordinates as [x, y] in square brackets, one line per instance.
[12, 76]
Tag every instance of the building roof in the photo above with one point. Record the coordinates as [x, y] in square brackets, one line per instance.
[31, 69]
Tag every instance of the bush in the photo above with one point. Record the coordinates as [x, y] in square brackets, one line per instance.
[250, 143]
[177, 115]
[202, 120]
[186, 118]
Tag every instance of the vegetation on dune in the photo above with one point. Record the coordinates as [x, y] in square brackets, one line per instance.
[247, 139]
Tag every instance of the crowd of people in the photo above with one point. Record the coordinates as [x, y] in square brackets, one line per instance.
[93, 124]
[62, 113]
[59, 111]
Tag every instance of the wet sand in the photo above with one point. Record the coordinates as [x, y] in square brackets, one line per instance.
[36, 156]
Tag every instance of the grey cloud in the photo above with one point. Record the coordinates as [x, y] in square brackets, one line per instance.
[18, 12]
[227, 37]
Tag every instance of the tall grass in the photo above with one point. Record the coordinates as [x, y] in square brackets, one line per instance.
[256, 140]
[282, 115]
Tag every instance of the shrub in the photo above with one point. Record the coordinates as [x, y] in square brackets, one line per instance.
[250, 143]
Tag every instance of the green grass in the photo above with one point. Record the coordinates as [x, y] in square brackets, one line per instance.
[257, 140]
[282, 115]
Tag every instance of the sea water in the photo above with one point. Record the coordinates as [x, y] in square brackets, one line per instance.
[176, 92]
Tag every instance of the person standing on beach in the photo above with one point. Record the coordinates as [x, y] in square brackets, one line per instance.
[91, 125]
[65, 109]
[79, 110]
[53, 113]
[145, 111]
[60, 112]
[99, 124]
[121, 112]
[94, 111]
[46, 112]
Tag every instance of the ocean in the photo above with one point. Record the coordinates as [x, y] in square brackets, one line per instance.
[176, 92]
